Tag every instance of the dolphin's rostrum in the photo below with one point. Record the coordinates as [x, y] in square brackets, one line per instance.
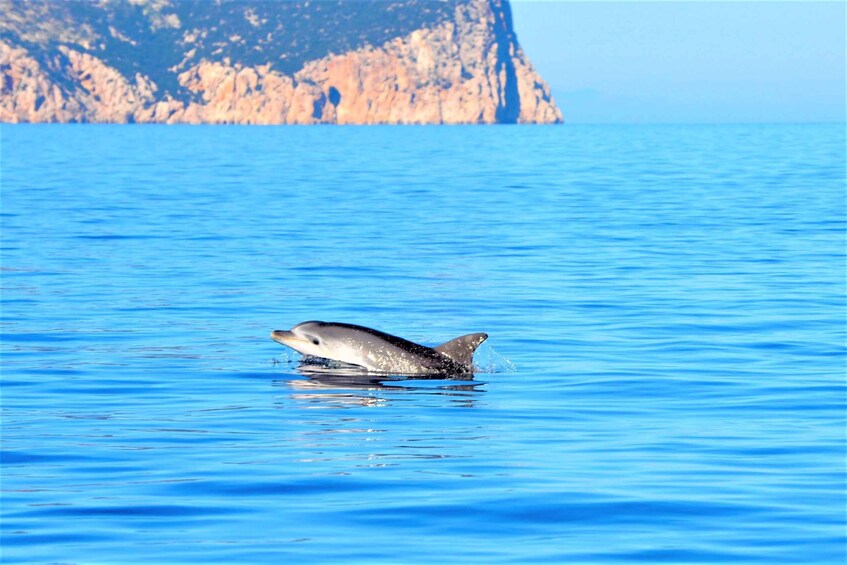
[379, 351]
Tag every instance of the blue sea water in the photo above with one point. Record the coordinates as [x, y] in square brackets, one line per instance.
[664, 379]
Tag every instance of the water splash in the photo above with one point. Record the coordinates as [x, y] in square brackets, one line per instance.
[488, 360]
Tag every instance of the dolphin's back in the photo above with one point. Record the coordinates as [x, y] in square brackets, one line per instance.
[397, 353]
[392, 339]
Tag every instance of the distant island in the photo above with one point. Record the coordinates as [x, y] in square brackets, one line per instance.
[267, 62]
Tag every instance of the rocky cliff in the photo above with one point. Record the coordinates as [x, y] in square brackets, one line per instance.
[266, 62]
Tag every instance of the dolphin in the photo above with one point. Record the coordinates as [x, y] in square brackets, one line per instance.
[378, 351]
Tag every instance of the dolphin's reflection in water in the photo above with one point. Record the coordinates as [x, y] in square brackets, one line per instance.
[340, 385]
[350, 418]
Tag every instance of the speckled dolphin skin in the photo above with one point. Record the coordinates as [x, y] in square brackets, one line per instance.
[378, 351]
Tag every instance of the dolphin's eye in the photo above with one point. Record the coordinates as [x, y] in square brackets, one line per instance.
[316, 341]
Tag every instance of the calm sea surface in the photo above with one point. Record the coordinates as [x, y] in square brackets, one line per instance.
[664, 381]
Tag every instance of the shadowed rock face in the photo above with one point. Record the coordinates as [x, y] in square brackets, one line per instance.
[265, 62]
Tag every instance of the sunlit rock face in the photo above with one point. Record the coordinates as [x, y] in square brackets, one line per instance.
[264, 62]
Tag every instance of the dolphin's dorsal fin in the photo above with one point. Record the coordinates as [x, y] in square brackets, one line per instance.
[461, 349]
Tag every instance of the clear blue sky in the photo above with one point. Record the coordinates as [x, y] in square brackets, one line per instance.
[659, 62]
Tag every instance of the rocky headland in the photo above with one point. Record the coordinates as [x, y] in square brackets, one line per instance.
[266, 62]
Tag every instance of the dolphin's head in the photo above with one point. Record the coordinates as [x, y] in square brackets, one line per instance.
[308, 338]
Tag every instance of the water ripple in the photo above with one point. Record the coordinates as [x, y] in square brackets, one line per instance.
[664, 379]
